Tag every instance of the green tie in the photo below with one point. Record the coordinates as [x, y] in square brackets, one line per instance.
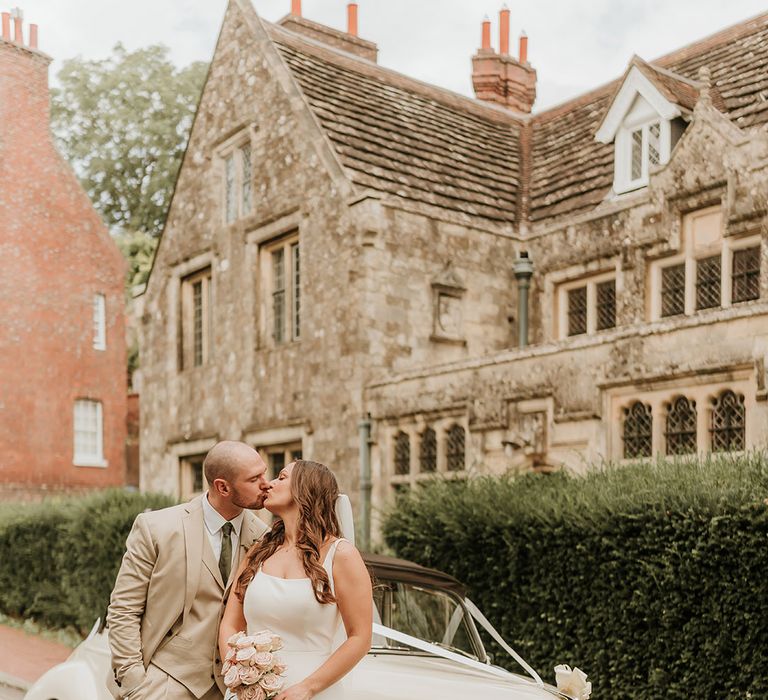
[225, 560]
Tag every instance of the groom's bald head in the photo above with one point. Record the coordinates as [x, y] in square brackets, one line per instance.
[228, 459]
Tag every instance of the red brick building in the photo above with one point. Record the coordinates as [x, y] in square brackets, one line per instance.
[62, 347]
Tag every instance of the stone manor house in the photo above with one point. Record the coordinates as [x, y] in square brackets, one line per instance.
[371, 271]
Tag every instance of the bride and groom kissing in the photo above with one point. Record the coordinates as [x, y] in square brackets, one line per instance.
[197, 573]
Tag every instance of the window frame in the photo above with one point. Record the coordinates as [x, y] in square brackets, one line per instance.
[623, 180]
[691, 255]
[658, 395]
[414, 433]
[187, 357]
[591, 283]
[99, 321]
[289, 248]
[89, 459]
[237, 184]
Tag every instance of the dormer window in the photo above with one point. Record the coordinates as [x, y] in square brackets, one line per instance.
[645, 119]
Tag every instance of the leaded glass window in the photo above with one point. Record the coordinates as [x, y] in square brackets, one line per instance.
[606, 305]
[638, 431]
[681, 427]
[197, 322]
[278, 294]
[708, 282]
[230, 202]
[745, 275]
[402, 453]
[637, 154]
[654, 143]
[455, 452]
[673, 290]
[577, 311]
[296, 306]
[727, 422]
[428, 451]
[247, 175]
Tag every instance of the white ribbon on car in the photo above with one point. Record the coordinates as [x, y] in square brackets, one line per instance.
[435, 650]
[488, 627]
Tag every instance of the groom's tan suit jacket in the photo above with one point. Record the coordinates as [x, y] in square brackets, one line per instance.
[167, 601]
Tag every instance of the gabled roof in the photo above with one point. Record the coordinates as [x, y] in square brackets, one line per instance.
[402, 137]
[398, 136]
[572, 173]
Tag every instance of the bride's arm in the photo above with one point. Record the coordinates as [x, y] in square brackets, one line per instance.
[233, 619]
[355, 600]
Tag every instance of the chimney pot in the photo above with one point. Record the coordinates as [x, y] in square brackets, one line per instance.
[18, 35]
[486, 43]
[504, 31]
[296, 8]
[523, 48]
[32, 36]
[6, 16]
[352, 18]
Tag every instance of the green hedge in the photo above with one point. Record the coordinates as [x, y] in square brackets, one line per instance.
[653, 578]
[59, 559]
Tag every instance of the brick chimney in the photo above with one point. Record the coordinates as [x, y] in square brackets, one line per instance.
[24, 94]
[499, 77]
[347, 41]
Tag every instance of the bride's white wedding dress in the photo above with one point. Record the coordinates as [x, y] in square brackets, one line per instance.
[288, 608]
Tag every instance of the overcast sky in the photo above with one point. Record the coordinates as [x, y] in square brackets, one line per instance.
[574, 45]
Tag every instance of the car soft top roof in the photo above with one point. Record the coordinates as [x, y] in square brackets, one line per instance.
[404, 571]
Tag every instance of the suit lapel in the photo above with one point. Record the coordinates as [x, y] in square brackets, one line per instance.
[193, 543]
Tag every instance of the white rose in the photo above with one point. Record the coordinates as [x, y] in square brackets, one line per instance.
[244, 642]
[572, 682]
[232, 678]
[263, 659]
[244, 655]
[263, 641]
[271, 683]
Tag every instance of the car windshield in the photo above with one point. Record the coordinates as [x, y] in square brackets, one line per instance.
[429, 614]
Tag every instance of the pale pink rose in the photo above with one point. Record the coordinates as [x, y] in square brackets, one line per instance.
[263, 641]
[277, 643]
[263, 659]
[244, 655]
[233, 639]
[225, 667]
[244, 642]
[279, 668]
[250, 675]
[230, 655]
[232, 678]
[271, 683]
[251, 692]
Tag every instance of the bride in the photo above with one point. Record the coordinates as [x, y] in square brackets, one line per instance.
[300, 581]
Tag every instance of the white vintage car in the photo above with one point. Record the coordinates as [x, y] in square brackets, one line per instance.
[426, 644]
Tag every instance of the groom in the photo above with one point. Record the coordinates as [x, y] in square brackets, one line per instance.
[178, 567]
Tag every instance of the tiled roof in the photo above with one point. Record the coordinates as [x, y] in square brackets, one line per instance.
[402, 137]
[571, 173]
[398, 136]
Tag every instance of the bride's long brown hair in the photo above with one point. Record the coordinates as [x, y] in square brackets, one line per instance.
[314, 489]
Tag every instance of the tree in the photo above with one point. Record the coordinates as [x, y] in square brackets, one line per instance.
[138, 247]
[123, 124]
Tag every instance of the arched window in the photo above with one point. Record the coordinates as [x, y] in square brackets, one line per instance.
[638, 431]
[681, 427]
[402, 453]
[455, 456]
[428, 451]
[727, 421]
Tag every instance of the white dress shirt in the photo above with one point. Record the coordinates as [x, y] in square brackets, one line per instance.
[213, 524]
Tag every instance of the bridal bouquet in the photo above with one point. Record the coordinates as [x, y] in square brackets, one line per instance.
[251, 669]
